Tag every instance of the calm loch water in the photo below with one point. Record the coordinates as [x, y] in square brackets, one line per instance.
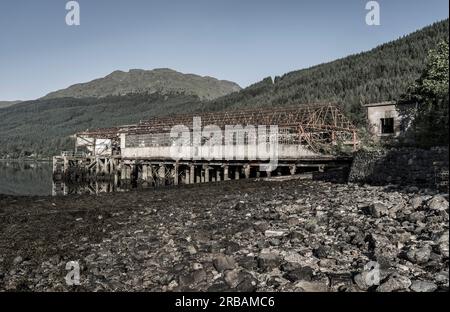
[29, 178]
[25, 178]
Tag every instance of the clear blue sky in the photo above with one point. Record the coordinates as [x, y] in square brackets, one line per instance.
[239, 40]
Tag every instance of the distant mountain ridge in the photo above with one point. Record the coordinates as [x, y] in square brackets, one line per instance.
[138, 81]
[4, 104]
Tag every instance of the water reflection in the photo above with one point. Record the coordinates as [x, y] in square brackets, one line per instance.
[25, 178]
[61, 188]
[29, 178]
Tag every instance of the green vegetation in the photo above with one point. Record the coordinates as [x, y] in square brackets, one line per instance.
[430, 92]
[43, 127]
[381, 74]
[8, 103]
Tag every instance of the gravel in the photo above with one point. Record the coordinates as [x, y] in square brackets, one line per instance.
[242, 235]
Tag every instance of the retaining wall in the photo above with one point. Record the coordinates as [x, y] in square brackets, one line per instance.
[402, 166]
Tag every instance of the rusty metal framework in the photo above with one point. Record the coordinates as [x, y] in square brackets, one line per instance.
[104, 133]
[316, 126]
[314, 115]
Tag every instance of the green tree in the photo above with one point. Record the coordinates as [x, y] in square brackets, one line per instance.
[430, 92]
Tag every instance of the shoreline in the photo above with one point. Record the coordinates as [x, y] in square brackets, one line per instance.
[25, 160]
[286, 235]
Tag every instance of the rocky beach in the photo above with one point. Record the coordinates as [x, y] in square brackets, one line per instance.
[273, 235]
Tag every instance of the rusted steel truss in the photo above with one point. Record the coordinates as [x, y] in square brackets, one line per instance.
[316, 115]
[104, 133]
[314, 125]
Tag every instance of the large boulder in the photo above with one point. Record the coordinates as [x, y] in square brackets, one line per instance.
[394, 282]
[417, 202]
[442, 243]
[420, 255]
[438, 203]
[299, 274]
[222, 263]
[423, 286]
[268, 261]
[376, 210]
[311, 286]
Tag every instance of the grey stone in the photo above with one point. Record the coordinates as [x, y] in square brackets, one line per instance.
[232, 278]
[247, 284]
[420, 256]
[311, 286]
[223, 263]
[133, 251]
[378, 210]
[438, 203]
[423, 286]
[191, 249]
[268, 261]
[293, 221]
[443, 244]
[297, 274]
[274, 233]
[199, 276]
[240, 281]
[320, 252]
[442, 277]
[274, 242]
[417, 202]
[186, 280]
[17, 260]
[417, 216]
[261, 226]
[382, 247]
[361, 280]
[327, 263]
[394, 282]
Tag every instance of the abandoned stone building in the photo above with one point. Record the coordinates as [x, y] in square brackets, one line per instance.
[388, 119]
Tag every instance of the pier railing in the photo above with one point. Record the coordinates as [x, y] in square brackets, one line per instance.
[73, 154]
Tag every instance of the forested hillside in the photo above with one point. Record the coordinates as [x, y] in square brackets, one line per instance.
[43, 127]
[8, 103]
[383, 73]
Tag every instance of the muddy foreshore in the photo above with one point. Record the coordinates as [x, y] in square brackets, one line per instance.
[243, 235]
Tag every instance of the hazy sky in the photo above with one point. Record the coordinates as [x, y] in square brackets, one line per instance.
[239, 40]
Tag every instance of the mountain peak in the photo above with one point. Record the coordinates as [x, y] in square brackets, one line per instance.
[162, 80]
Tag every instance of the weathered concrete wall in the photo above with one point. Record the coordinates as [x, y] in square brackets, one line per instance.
[240, 152]
[403, 166]
[376, 113]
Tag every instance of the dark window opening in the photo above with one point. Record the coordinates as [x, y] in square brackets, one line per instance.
[387, 125]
